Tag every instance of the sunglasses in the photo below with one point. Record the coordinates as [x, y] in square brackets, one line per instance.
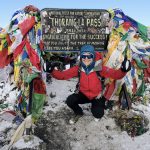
[87, 56]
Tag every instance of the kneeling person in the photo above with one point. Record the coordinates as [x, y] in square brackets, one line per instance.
[90, 87]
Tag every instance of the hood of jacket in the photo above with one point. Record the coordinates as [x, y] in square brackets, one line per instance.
[96, 65]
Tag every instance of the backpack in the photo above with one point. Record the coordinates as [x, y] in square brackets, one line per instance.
[101, 79]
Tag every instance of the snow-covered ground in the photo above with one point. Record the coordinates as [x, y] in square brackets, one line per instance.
[98, 136]
[86, 134]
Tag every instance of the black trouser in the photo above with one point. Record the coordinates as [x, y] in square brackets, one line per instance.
[97, 107]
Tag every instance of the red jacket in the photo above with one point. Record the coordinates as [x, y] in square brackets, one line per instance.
[90, 85]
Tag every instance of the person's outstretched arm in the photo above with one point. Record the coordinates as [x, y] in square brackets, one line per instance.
[66, 74]
[116, 74]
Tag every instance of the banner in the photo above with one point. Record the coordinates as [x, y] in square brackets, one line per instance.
[69, 29]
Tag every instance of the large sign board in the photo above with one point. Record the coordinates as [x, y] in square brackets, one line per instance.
[69, 29]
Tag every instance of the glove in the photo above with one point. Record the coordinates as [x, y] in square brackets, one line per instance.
[126, 65]
[49, 66]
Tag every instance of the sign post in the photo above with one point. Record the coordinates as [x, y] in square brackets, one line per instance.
[69, 29]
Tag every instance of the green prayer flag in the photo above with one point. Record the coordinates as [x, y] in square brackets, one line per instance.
[143, 31]
[37, 105]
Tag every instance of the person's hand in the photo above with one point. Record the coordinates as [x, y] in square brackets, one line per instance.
[126, 65]
[49, 66]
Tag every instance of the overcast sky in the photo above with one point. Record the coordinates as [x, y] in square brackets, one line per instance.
[136, 9]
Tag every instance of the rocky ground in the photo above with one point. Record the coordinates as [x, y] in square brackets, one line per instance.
[53, 132]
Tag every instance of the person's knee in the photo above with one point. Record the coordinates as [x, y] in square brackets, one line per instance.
[98, 113]
[70, 100]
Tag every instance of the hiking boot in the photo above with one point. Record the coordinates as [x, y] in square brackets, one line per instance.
[96, 119]
[74, 119]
